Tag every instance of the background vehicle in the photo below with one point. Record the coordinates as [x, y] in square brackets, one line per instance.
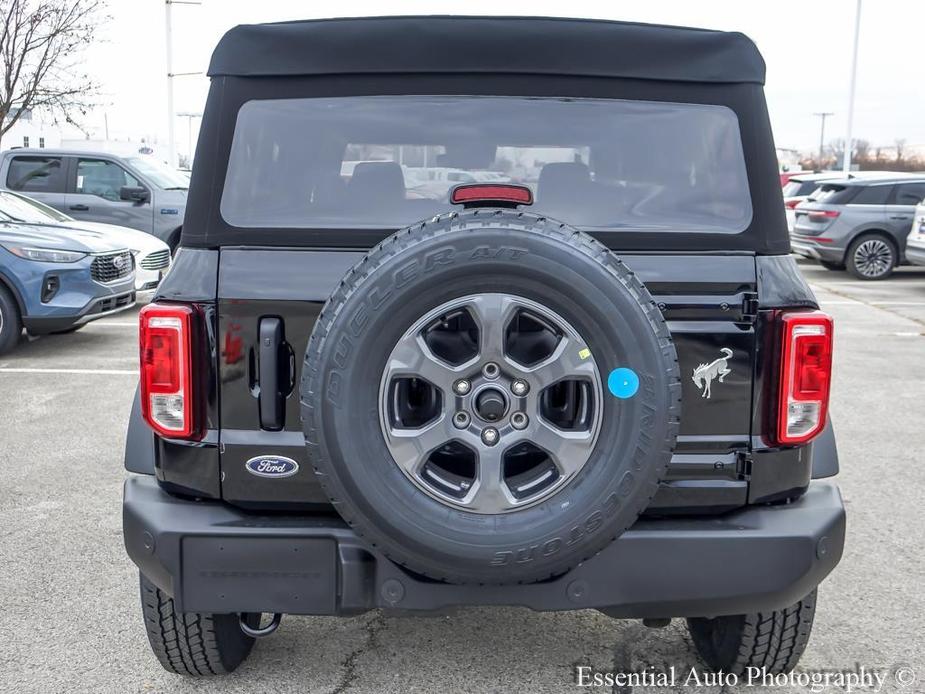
[53, 283]
[798, 188]
[563, 392]
[137, 192]
[152, 256]
[915, 243]
[861, 224]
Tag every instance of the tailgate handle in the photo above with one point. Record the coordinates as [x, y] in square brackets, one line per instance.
[270, 361]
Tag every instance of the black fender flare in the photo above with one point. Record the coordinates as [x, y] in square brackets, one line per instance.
[825, 453]
[139, 441]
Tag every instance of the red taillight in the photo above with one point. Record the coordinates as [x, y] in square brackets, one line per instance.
[805, 376]
[167, 387]
[822, 215]
[504, 193]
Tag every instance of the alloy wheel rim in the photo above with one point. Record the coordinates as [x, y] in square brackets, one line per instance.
[873, 257]
[491, 403]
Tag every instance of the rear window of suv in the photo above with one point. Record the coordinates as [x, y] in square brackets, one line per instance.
[833, 194]
[386, 162]
[872, 195]
[795, 188]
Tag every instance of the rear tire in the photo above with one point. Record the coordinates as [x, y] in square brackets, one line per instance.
[871, 258]
[192, 644]
[10, 321]
[773, 640]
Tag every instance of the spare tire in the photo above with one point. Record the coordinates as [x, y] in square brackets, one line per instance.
[490, 397]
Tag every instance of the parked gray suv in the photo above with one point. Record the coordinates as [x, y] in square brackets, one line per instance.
[858, 224]
[135, 191]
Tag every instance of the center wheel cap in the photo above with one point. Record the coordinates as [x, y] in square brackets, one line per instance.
[491, 405]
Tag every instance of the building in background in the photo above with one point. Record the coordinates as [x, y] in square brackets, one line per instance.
[31, 130]
[788, 159]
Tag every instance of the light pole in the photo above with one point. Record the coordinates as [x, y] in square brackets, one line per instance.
[822, 115]
[846, 165]
[168, 5]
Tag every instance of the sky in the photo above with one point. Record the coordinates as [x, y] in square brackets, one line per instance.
[806, 44]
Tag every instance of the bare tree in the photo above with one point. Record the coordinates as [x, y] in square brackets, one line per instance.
[41, 46]
[900, 147]
[862, 149]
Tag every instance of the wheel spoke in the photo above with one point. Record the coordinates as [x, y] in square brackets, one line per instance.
[567, 449]
[490, 493]
[570, 360]
[492, 313]
[412, 357]
[411, 447]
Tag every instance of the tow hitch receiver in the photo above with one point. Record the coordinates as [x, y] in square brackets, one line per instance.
[258, 631]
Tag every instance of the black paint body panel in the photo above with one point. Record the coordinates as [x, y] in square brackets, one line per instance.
[703, 298]
[723, 458]
[193, 276]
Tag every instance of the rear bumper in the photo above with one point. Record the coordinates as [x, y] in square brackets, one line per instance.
[806, 247]
[212, 557]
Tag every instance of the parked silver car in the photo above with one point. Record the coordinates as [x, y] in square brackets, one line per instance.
[139, 192]
[858, 224]
[800, 187]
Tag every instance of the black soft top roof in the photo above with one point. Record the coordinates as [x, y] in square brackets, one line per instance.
[520, 45]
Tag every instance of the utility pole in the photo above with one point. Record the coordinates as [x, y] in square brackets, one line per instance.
[822, 115]
[171, 154]
[846, 166]
[168, 6]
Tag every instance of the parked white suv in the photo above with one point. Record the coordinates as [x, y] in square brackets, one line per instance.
[915, 242]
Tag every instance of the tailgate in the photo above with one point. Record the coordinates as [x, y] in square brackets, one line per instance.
[268, 301]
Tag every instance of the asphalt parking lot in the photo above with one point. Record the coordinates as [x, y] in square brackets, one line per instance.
[69, 614]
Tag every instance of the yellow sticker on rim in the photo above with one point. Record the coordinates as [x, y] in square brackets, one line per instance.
[584, 353]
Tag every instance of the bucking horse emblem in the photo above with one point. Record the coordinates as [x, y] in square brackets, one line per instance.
[705, 374]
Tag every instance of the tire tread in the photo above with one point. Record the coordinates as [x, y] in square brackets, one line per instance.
[191, 644]
[460, 222]
[774, 641]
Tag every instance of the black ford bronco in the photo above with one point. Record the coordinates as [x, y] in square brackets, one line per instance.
[483, 311]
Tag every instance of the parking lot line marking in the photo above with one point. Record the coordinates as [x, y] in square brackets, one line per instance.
[112, 324]
[97, 372]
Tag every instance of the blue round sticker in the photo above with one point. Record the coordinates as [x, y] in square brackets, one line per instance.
[623, 383]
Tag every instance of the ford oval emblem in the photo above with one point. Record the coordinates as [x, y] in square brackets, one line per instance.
[274, 466]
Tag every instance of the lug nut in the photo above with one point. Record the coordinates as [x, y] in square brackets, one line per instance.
[519, 420]
[490, 436]
[491, 370]
[462, 386]
[460, 420]
[519, 388]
